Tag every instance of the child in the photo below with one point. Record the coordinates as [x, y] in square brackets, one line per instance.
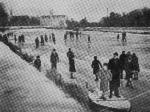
[105, 76]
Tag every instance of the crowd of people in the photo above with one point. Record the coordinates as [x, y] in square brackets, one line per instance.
[54, 59]
[38, 40]
[123, 39]
[125, 66]
[75, 35]
[112, 72]
[44, 39]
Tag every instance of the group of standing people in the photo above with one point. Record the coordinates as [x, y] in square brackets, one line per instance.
[110, 73]
[54, 59]
[124, 39]
[20, 39]
[45, 39]
[72, 35]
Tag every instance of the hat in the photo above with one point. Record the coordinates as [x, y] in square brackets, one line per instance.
[105, 64]
[38, 57]
[116, 54]
[54, 49]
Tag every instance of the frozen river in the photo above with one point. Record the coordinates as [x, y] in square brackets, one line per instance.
[104, 44]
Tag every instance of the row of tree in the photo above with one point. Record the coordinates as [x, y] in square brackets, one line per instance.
[136, 18]
[3, 17]
[23, 21]
[7, 20]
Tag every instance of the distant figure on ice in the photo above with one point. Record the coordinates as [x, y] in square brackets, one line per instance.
[72, 68]
[96, 64]
[23, 38]
[118, 37]
[37, 63]
[136, 68]
[53, 37]
[50, 38]
[105, 77]
[65, 37]
[129, 72]
[89, 39]
[122, 59]
[54, 59]
[124, 37]
[42, 40]
[15, 39]
[77, 35]
[114, 67]
[46, 38]
[37, 42]
[71, 35]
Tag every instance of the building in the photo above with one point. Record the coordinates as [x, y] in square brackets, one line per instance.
[56, 21]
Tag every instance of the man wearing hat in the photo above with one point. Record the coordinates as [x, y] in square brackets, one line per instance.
[96, 64]
[114, 67]
[54, 59]
[37, 63]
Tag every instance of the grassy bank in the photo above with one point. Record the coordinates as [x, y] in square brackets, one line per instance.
[74, 88]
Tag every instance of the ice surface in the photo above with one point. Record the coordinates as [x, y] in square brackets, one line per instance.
[104, 44]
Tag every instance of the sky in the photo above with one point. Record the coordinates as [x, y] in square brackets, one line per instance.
[93, 10]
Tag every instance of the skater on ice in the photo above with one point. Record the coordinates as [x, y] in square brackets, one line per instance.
[72, 68]
[105, 77]
[114, 67]
[42, 40]
[53, 38]
[96, 65]
[118, 37]
[50, 38]
[46, 38]
[129, 72]
[37, 42]
[54, 59]
[89, 39]
[122, 59]
[37, 63]
[15, 39]
[136, 68]
[124, 37]
[65, 37]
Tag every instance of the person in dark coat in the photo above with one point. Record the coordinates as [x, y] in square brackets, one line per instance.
[53, 37]
[5, 39]
[23, 38]
[42, 40]
[54, 59]
[124, 37]
[96, 64]
[114, 67]
[37, 42]
[50, 38]
[65, 37]
[72, 68]
[89, 39]
[122, 59]
[19, 39]
[118, 36]
[129, 72]
[37, 63]
[46, 38]
[136, 67]
[15, 39]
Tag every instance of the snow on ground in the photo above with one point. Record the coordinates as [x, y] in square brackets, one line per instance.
[24, 89]
[104, 44]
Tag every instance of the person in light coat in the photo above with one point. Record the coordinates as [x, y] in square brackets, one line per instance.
[105, 77]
